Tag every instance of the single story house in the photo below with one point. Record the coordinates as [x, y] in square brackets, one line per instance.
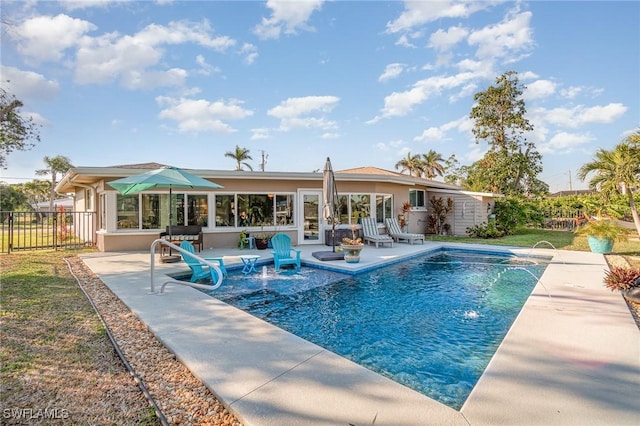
[256, 202]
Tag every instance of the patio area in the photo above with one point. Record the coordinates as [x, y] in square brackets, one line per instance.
[571, 357]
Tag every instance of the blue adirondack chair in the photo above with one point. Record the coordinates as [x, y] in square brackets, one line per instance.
[283, 253]
[198, 270]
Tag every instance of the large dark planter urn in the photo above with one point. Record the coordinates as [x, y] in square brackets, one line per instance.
[262, 243]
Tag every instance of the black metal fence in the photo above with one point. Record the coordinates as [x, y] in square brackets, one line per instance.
[46, 230]
[563, 219]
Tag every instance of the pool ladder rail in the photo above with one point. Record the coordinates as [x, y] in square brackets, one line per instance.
[172, 246]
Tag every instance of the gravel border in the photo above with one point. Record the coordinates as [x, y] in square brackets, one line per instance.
[181, 398]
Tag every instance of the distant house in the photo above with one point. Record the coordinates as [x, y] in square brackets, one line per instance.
[66, 203]
[288, 202]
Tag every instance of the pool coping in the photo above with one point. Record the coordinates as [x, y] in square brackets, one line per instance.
[572, 355]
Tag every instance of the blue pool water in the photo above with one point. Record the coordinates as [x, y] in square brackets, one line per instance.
[431, 323]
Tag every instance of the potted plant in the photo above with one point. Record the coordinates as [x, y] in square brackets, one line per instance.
[402, 218]
[624, 280]
[262, 240]
[244, 239]
[601, 234]
[352, 247]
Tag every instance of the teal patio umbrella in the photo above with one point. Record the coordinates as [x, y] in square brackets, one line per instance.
[165, 177]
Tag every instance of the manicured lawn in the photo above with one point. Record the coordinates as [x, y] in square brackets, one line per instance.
[55, 354]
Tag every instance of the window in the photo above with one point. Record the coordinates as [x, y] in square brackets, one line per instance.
[384, 207]
[225, 211]
[103, 212]
[198, 210]
[360, 207]
[155, 210]
[284, 210]
[127, 211]
[255, 210]
[353, 207]
[416, 198]
[151, 211]
[88, 200]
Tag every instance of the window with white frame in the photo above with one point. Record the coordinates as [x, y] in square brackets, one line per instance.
[417, 198]
[384, 207]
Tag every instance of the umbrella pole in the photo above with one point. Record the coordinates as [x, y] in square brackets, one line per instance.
[170, 213]
[333, 235]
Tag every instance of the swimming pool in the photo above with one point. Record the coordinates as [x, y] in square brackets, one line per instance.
[431, 323]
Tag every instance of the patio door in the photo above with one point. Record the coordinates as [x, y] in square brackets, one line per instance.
[310, 226]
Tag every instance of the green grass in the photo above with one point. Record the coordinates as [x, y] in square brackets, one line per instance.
[52, 343]
[562, 240]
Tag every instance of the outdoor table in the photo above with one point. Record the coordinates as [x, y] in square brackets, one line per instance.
[249, 262]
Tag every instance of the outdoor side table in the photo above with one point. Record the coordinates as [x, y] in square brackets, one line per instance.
[249, 262]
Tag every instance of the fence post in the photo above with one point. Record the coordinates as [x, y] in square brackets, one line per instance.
[10, 241]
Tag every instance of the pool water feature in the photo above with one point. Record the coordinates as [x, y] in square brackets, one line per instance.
[431, 323]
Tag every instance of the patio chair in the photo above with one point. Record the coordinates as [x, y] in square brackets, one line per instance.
[371, 234]
[283, 253]
[393, 227]
[198, 270]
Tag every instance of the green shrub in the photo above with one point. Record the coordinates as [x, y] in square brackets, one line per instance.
[485, 230]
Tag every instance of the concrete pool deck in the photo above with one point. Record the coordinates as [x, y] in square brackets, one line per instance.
[571, 357]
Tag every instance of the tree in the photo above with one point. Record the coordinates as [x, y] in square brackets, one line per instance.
[58, 164]
[241, 155]
[36, 190]
[11, 198]
[432, 164]
[617, 171]
[511, 164]
[411, 164]
[17, 133]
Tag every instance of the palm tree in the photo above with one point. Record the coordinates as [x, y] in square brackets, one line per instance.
[617, 171]
[432, 164]
[241, 155]
[411, 164]
[58, 164]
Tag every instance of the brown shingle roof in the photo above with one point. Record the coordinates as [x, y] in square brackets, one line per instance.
[140, 166]
[370, 170]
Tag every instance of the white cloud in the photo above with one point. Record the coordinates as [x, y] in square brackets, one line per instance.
[260, 134]
[391, 71]
[45, 38]
[28, 84]
[298, 112]
[417, 13]
[581, 115]
[539, 89]
[571, 92]
[330, 135]
[401, 103]
[505, 38]
[129, 59]
[444, 40]
[563, 142]
[250, 53]
[85, 4]
[286, 16]
[432, 134]
[205, 68]
[200, 115]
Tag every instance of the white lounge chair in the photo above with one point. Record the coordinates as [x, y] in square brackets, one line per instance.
[393, 228]
[371, 234]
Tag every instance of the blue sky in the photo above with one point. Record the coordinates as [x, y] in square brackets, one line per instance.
[181, 83]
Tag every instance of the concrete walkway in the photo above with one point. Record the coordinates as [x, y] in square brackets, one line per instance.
[572, 357]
